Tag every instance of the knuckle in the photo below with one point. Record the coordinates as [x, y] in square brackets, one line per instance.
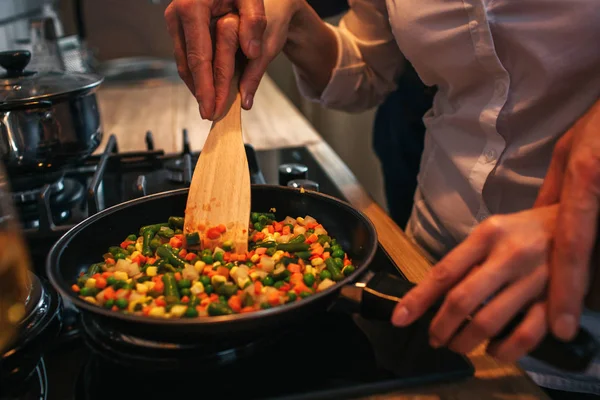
[492, 226]
[221, 73]
[229, 21]
[184, 6]
[484, 327]
[585, 165]
[441, 274]
[257, 21]
[458, 302]
[196, 60]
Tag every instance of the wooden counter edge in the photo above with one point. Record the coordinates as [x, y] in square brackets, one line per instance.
[415, 266]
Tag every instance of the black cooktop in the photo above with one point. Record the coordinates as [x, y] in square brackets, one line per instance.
[334, 355]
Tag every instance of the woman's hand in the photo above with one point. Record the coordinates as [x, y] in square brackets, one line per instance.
[573, 181]
[499, 270]
[189, 23]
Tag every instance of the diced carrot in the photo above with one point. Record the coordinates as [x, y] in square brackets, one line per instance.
[146, 310]
[211, 273]
[223, 271]
[100, 282]
[285, 287]
[311, 225]
[207, 269]
[185, 299]
[278, 226]
[270, 229]
[286, 230]
[203, 296]
[258, 236]
[177, 276]
[160, 302]
[126, 243]
[347, 262]
[75, 288]
[317, 249]
[222, 228]
[139, 259]
[150, 260]
[115, 308]
[241, 257]
[250, 254]
[159, 286]
[233, 257]
[200, 309]
[206, 301]
[300, 287]
[247, 309]
[179, 236]
[227, 256]
[107, 274]
[301, 263]
[294, 268]
[175, 242]
[213, 233]
[190, 256]
[110, 261]
[261, 250]
[257, 287]
[96, 276]
[296, 278]
[325, 255]
[235, 303]
[182, 253]
[214, 297]
[109, 293]
[312, 238]
[273, 298]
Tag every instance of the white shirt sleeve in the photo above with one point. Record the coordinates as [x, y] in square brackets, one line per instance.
[368, 63]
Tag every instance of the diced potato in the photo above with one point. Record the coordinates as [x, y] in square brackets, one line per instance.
[243, 282]
[151, 271]
[138, 246]
[178, 310]
[121, 275]
[325, 284]
[265, 231]
[233, 271]
[197, 288]
[90, 283]
[316, 261]
[157, 312]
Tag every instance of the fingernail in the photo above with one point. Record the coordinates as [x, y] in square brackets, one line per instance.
[248, 99]
[433, 342]
[564, 326]
[400, 316]
[254, 48]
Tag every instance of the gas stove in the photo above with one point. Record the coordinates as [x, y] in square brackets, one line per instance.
[335, 355]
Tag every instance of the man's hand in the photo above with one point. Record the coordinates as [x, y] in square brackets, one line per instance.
[573, 181]
[499, 270]
[189, 24]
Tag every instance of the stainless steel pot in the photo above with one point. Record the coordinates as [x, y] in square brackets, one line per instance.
[47, 119]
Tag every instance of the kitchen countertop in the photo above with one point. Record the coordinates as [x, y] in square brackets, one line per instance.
[166, 107]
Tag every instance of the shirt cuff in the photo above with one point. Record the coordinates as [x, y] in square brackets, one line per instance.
[349, 63]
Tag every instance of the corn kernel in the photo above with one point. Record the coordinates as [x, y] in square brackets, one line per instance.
[255, 258]
[90, 283]
[121, 275]
[178, 310]
[300, 220]
[135, 254]
[200, 266]
[316, 261]
[138, 246]
[141, 288]
[90, 299]
[265, 231]
[242, 282]
[232, 271]
[217, 264]
[129, 280]
[217, 280]
[276, 235]
[253, 275]
[151, 271]
[149, 285]
[278, 256]
[197, 288]
[157, 312]
[309, 270]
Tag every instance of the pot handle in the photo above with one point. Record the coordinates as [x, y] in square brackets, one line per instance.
[30, 105]
[378, 298]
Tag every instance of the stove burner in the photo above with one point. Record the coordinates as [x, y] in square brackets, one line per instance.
[65, 194]
[180, 170]
[35, 387]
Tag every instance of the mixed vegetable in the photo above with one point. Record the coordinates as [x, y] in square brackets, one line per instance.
[160, 272]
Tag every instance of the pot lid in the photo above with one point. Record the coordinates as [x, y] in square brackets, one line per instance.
[17, 84]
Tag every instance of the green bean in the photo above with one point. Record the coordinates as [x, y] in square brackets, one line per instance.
[166, 232]
[305, 255]
[176, 222]
[293, 247]
[334, 270]
[171, 292]
[170, 256]
[322, 239]
[298, 239]
[154, 227]
[190, 312]
[219, 309]
[94, 269]
[192, 239]
[228, 289]
[148, 235]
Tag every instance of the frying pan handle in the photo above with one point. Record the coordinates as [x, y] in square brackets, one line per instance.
[383, 291]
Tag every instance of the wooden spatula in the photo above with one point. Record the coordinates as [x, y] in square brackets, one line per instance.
[219, 194]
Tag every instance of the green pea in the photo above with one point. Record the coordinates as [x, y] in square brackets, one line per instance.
[218, 256]
[120, 256]
[325, 275]
[205, 280]
[127, 286]
[278, 284]
[132, 237]
[184, 283]
[287, 278]
[338, 253]
[121, 303]
[291, 297]
[305, 294]
[208, 289]
[265, 306]
[348, 270]
[131, 248]
[185, 292]
[222, 299]
[109, 303]
[268, 281]
[229, 265]
[86, 291]
[309, 279]
[254, 217]
[339, 262]
[154, 244]
[258, 226]
[190, 312]
[110, 281]
[208, 259]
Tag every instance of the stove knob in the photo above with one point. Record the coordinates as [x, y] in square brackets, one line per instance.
[289, 172]
[304, 183]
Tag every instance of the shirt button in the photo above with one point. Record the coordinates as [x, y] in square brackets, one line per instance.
[491, 155]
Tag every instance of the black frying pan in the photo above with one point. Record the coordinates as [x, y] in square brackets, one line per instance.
[372, 296]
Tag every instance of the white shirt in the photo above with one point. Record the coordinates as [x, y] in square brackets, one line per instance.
[512, 77]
